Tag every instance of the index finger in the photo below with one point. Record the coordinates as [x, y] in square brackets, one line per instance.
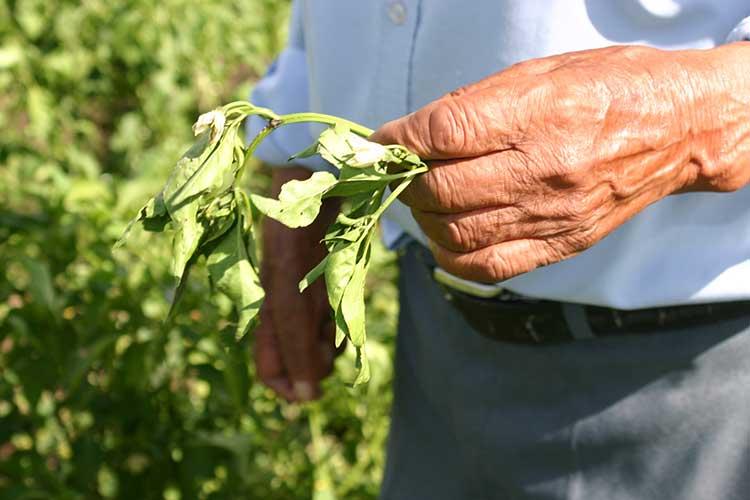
[482, 117]
[458, 126]
[454, 186]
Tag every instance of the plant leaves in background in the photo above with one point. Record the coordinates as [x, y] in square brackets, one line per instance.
[123, 82]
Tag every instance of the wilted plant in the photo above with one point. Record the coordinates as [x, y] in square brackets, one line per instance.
[208, 214]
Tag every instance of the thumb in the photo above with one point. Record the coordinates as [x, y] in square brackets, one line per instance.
[415, 131]
[454, 126]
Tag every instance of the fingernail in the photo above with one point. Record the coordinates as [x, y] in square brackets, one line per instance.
[303, 390]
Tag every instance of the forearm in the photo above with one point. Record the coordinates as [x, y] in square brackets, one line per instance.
[718, 103]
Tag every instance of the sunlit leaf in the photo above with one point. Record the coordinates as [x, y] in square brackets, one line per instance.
[299, 201]
[233, 274]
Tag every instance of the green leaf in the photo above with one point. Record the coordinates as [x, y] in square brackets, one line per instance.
[353, 181]
[342, 331]
[202, 168]
[217, 218]
[353, 300]
[309, 151]
[233, 274]
[251, 215]
[152, 216]
[154, 208]
[333, 147]
[179, 290]
[339, 269]
[155, 224]
[338, 273]
[313, 275]
[344, 233]
[341, 147]
[345, 274]
[299, 201]
[363, 367]
[188, 232]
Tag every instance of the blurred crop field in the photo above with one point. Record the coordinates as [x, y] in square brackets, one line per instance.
[98, 398]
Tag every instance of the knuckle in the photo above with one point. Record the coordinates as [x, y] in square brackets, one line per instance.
[460, 91]
[446, 128]
[569, 101]
[459, 235]
[496, 268]
[634, 53]
[488, 267]
[437, 189]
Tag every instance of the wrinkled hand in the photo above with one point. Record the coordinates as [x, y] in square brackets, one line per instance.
[541, 161]
[294, 343]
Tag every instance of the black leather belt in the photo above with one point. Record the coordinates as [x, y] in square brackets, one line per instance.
[513, 318]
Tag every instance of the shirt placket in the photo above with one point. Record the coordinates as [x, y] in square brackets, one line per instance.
[399, 22]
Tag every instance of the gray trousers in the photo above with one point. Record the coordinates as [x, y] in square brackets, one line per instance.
[639, 417]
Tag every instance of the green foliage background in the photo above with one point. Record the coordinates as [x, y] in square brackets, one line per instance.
[98, 399]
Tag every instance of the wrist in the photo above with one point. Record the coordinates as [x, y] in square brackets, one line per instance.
[716, 89]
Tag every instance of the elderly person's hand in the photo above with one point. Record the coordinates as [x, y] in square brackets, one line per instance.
[294, 343]
[539, 162]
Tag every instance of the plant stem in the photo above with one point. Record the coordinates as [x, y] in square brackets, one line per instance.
[251, 149]
[325, 119]
[247, 109]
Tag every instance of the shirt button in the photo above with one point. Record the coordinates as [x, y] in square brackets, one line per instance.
[397, 12]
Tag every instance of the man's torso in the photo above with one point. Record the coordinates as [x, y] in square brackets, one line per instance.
[374, 61]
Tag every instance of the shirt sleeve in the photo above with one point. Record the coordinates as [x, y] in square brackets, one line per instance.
[285, 89]
[741, 32]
